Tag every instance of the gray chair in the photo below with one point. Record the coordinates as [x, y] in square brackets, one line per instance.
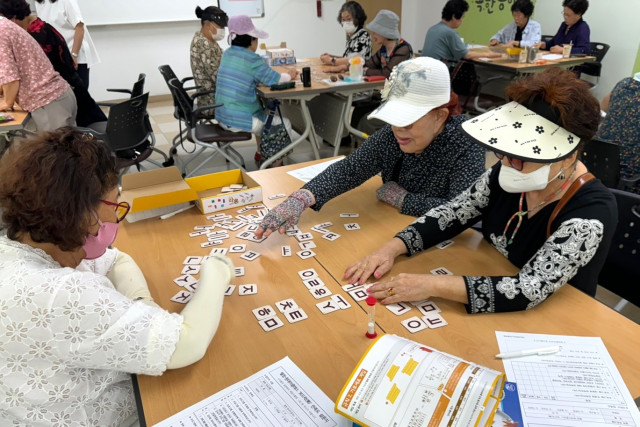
[205, 134]
[621, 270]
[126, 132]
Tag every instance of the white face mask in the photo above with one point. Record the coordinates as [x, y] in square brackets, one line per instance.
[218, 35]
[514, 181]
[348, 27]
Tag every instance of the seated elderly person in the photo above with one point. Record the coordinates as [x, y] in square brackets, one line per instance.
[77, 316]
[421, 155]
[574, 30]
[523, 31]
[622, 124]
[351, 17]
[538, 206]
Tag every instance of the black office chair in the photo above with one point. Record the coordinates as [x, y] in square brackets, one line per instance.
[136, 90]
[126, 132]
[168, 74]
[466, 84]
[546, 38]
[205, 134]
[602, 158]
[622, 268]
[594, 69]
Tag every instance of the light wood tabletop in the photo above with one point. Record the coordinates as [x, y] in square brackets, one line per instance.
[512, 64]
[20, 118]
[471, 337]
[327, 347]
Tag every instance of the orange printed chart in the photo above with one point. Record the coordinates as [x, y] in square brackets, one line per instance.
[402, 382]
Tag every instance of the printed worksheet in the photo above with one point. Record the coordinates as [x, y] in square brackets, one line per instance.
[279, 395]
[308, 173]
[577, 386]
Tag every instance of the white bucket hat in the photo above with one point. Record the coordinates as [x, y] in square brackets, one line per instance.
[386, 24]
[517, 131]
[415, 87]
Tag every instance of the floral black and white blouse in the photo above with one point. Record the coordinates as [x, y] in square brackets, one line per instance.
[205, 61]
[358, 43]
[575, 252]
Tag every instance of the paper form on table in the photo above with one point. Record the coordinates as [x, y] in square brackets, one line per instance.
[578, 386]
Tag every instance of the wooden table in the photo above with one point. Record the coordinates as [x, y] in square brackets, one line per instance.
[303, 94]
[327, 347]
[20, 120]
[512, 65]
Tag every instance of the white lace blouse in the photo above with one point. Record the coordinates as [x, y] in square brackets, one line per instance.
[69, 341]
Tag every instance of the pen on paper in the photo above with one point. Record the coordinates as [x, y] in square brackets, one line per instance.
[534, 351]
[170, 214]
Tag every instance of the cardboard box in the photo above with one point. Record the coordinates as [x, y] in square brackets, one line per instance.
[211, 199]
[155, 192]
[280, 53]
[290, 60]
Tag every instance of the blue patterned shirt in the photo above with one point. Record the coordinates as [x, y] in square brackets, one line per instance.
[240, 72]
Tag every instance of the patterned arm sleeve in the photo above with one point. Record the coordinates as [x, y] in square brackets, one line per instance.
[571, 247]
[473, 159]
[350, 172]
[449, 219]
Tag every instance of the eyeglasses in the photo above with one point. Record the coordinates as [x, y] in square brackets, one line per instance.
[567, 15]
[517, 164]
[122, 209]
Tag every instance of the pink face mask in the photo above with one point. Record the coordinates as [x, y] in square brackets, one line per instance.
[96, 246]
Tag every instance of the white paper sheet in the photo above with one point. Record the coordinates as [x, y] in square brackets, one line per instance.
[278, 395]
[307, 174]
[578, 386]
[552, 56]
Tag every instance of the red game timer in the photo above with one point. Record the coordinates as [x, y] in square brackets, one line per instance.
[371, 325]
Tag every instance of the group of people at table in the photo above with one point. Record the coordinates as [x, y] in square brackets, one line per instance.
[79, 317]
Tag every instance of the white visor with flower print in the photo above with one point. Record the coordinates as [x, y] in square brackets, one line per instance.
[516, 131]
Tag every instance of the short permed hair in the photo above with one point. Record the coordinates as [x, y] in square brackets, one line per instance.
[577, 108]
[579, 7]
[243, 40]
[524, 6]
[454, 8]
[15, 9]
[356, 11]
[51, 185]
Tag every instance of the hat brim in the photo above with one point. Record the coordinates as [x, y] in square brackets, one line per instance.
[518, 132]
[383, 31]
[398, 113]
[259, 34]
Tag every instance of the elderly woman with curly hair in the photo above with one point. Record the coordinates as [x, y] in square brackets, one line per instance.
[77, 316]
[539, 206]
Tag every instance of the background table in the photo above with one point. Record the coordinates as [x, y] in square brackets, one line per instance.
[327, 347]
[303, 95]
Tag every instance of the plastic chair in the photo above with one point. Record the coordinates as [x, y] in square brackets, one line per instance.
[168, 74]
[126, 132]
[594, 69]
[622, 267]
[546, 38]
[602, 158]
[136, 90]
[206, 135]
